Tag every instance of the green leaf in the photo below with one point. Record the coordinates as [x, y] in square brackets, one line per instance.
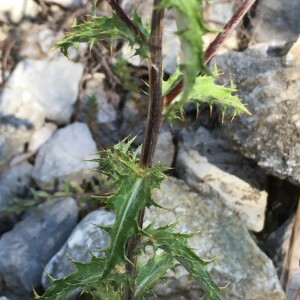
[191, 28]
[101, 28]
[151, 272]
[206, 90]
[87, 273]
[133, 186]
[175, 244]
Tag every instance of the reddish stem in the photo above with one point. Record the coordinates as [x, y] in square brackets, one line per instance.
[214, 45]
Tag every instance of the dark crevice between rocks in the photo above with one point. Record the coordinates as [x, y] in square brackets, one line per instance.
[245, 29]
[282, 204]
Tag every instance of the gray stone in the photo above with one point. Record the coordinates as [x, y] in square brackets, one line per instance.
[67, 3]
[5, 197]
[17, 178]
[165, 149]
[11, 296]
[219, 12]
[206, 156]
[239, 262]
[85, 238]
[277, 244]
[64, 157]
[270, 88]
[15, 11]
[26, 249]
[276, 20]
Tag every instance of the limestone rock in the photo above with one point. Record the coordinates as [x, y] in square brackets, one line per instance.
[207, 157]
[26, 249]
[85, 238]
[250, 272]
[37, 90]
[64, 157]
[270, 88]
[49, 84]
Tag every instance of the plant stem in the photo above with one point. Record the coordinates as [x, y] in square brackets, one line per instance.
[214, 45]
[228, 28]
[155, 107]
[154, 120]
[122, 15]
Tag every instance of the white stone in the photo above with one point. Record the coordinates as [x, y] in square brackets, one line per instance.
[65, 157]
[46, 87]
[41, 137]
[14, 10]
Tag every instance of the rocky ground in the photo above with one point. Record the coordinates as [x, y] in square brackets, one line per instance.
[236, 182]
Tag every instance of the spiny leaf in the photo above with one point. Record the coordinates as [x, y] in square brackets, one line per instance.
[132, 193]
[191, 28]
[176, 245]
[104, 28]
[104, 291]
[109, 289]
[118, 161]
[206, 90]
[86, 274]
[151, 272]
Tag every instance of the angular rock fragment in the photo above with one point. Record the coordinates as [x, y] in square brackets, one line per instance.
[206, 156]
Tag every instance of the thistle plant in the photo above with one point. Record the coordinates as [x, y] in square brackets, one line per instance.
[118, 274]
